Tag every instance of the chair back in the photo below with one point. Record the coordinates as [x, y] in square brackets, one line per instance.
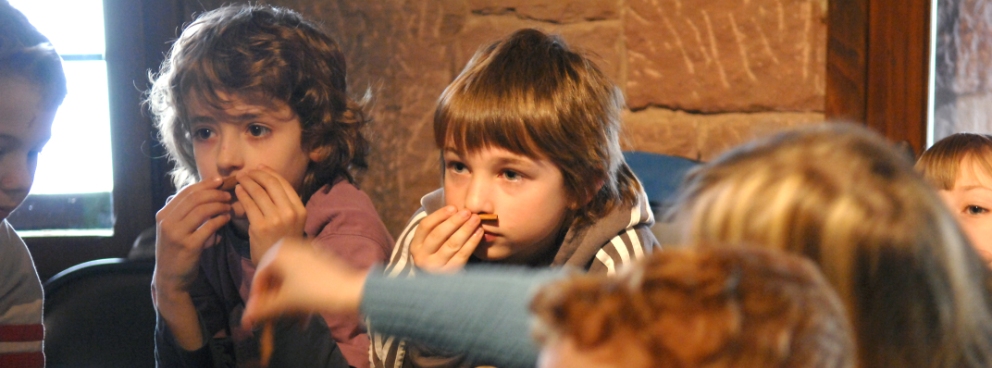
[100, 314]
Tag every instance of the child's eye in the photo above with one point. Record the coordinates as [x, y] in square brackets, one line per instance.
[511, 175]
[975, 210]
[202, 134]
[457, 167]
[257, 130]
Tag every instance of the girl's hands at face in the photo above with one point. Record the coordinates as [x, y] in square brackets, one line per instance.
[184, 227]
[294, 278]
[273, 208]
[445, 240]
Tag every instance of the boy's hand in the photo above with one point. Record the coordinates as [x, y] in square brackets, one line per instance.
[445, 240]
[293, 277]
[184, 227]
[273, 208]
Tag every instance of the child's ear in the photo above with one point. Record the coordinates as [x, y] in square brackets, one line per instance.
[320, 153]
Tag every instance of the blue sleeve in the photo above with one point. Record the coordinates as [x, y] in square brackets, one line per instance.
[481, 312]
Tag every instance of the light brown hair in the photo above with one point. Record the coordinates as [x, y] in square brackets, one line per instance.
[269, 52]
[706, 307]
[532, 95]
[842, 196]
[940, 163]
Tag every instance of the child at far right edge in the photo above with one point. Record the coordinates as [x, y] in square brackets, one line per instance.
[529, 131]
[960, 166]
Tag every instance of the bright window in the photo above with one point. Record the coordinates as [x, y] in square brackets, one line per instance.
[73, 186]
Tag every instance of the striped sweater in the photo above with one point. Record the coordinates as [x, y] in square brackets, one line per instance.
[21, 329]
[619, 237]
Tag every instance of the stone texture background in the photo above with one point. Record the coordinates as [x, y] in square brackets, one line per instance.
[699, 75]
[963, 82]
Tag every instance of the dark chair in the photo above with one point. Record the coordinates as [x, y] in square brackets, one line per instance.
[100, 314]
[661, 176]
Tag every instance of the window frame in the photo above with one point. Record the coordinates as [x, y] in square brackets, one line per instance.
[135, 45]
[878, 66]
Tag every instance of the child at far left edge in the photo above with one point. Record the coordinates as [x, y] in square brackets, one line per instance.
[258, 93]
[32, 87]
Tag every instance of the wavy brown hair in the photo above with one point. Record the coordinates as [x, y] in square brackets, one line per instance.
[532, 95]
[256, 50]
[917, 294]
[706, 308]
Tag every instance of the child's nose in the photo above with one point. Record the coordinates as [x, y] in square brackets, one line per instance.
[478, 196]
[230, 155]
[17, 176]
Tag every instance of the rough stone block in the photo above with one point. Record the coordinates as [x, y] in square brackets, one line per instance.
[717, 133]
[551, 11]
[726, 55]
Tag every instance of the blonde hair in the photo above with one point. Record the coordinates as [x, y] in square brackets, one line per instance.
[531, 95]
[842, 196]
[705, 308]
[940, 163]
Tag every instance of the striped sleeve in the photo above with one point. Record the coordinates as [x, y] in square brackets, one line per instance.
[21, 345]
[632, 243]
[387, 351]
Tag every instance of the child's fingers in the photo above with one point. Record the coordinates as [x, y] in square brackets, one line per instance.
[440, 235]
[460, 258]
[190, 198]
[427, 226]
[462, 234]
[272, 180]
[179, 223]
[249, 188]
[276, 197]
[208, 229]
[252, 211]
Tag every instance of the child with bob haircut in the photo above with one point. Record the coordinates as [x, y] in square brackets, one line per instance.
[960, 166]
[32, 87]
[256, 93]
[916, 292]
[704, 307]
[529, 131]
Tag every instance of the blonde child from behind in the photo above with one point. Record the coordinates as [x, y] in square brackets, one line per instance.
[915, 292]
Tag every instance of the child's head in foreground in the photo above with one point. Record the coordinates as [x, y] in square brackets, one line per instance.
[960, 166]
[275, 77]
[845, 198]
[743, 307]
[530, 131]
[32, 86]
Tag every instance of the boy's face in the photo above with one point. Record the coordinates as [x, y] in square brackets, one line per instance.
[245, 134]
[971, 202]
[25, 127]
[528, 195]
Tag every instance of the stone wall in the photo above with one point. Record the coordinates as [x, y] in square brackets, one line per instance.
[963, 81]
[699, 76]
